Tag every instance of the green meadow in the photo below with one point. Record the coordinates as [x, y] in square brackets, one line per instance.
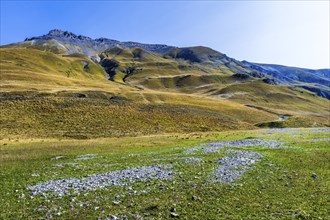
[279, 186]
[75, 145]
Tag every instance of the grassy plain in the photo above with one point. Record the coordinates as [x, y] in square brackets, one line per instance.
[56, 109]
[279, 187]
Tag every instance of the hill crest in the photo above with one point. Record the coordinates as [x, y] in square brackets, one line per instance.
[164, 60]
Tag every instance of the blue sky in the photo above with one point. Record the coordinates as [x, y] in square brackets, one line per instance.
[294, 33]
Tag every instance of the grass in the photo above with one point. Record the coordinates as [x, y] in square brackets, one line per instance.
[49, 95]
[55, 108]
[79, 114]
[24, 69]
[99, 114]
[279, 187]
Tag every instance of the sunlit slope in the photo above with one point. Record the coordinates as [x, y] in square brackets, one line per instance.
[164, 73]
[23, 69]
[40, 99]
[99, 114]
[306, 107]
[69, 96]
[130, 65]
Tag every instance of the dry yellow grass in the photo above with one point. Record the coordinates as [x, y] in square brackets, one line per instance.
[48, 95]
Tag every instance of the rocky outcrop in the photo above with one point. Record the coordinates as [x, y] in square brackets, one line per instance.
[91, 46]
[110, 66]
[317, 81]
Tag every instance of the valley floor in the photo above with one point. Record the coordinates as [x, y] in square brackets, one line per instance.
[251, 174]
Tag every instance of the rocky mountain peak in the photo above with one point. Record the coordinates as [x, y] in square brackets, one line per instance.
[66, 34]
[61, 35]
[91, 46]
[57, 32]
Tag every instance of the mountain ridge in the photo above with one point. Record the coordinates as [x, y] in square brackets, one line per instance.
[200, 58]
[54, 88]
[99, 43]
[318, 80]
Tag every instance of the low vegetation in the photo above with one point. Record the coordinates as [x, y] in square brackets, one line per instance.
[47, 95]
[134, 134]
[286, 182]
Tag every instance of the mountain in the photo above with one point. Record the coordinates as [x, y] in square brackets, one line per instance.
[67, 85]
[69, 43]
[64, 42]
[137, 62]
[317, 81]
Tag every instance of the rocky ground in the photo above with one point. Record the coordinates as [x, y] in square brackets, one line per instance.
[276, 166]
[99, 181]
[230, 168]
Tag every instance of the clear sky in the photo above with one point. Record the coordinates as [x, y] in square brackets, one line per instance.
[294, 33]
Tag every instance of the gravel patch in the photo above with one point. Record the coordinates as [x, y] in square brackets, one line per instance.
[320, 139]
[57, 157]
[216, 146]
[168, 159]
[72, 165]
[93, 182]
[319, 130]
[210, 150]
[274, 130]
[193, 160]
[234, 166]
[86, 157]
[264, 135]
[191, 150]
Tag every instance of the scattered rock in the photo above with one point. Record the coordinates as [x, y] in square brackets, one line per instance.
[116, 202]
[57, 157]
[216, 146]
[191, 150]
[80, 95]
[174, 215]
[91, 183]
[210, 150]
[275, 130]
[234, 166]
[316, 130]
[113, 217]
[320, 139]
[86, 157]
[193, 160]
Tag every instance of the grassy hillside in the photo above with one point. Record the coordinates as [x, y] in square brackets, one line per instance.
[99, 114]
[25, 69]
[69, 96]
[148, 64]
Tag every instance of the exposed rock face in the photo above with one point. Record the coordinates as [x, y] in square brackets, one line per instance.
[290, 74]
[241, 76]
[319, 80]
[110, 66]
[320, 91]
[271, 81]
[91, 46]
